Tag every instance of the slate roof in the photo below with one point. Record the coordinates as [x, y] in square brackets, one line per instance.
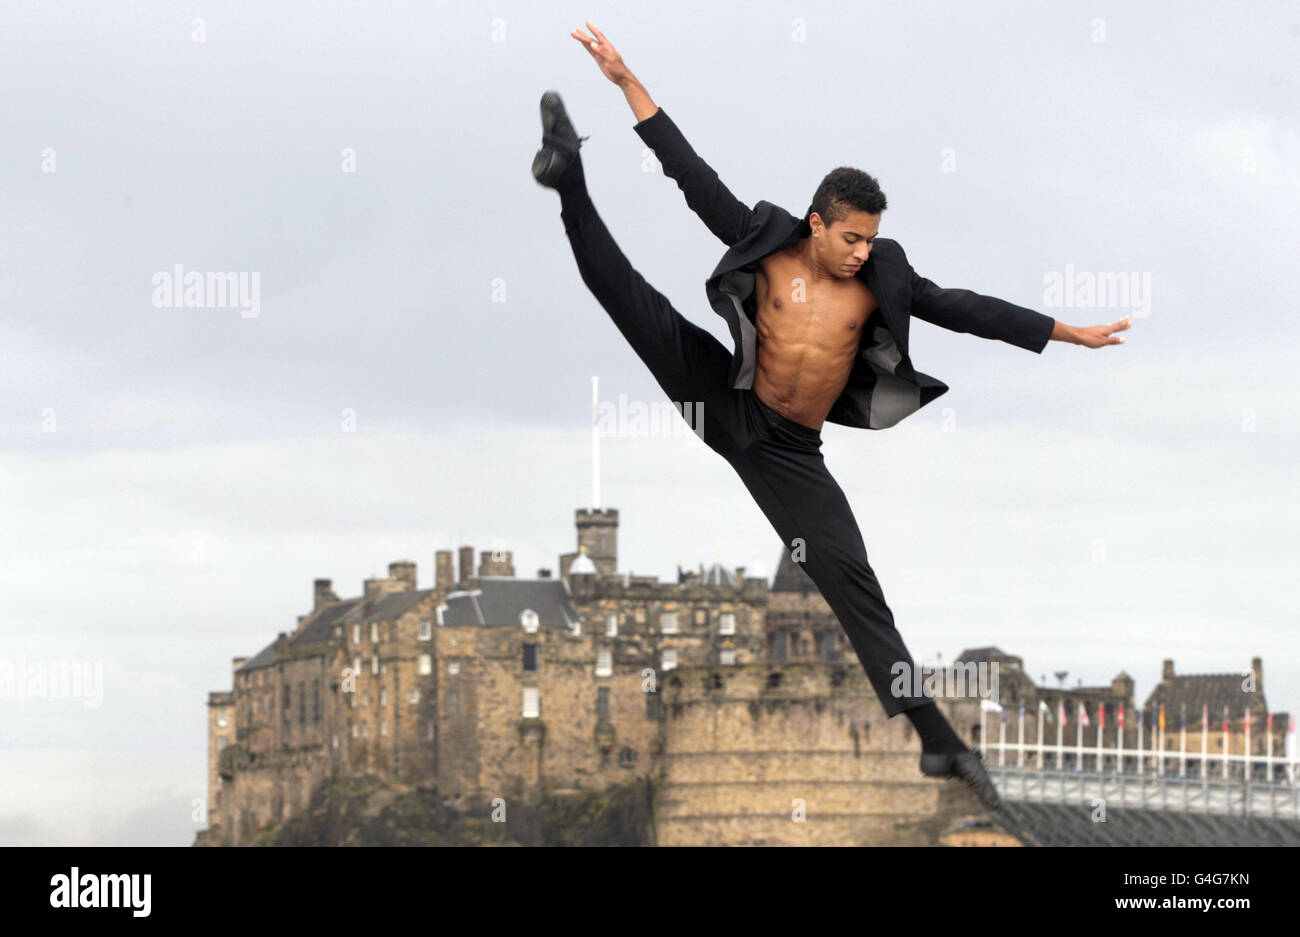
[1197, 689]
[499, 600]
[263, 658]
[790, 576]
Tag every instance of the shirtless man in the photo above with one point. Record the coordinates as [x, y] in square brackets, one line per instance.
[812, 309]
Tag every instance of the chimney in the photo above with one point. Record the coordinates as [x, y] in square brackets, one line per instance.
[543, 573]
[468, 580]
[1257, 669]
[404, 571]
[236, 663]
[323, 594]
[1167, 673]
[373, 588]
[444, 576]
[496, 563]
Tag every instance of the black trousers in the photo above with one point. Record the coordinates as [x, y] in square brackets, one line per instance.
[779, 460]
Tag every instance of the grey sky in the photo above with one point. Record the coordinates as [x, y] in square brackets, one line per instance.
[1089, 510]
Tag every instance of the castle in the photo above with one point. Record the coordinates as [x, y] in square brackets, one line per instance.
[740, 700]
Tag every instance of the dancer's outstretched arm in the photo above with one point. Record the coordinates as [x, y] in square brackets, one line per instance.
[724, 214]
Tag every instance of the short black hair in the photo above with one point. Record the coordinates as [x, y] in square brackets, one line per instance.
[846, 189]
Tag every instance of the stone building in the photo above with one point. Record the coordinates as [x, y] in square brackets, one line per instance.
[742, 703]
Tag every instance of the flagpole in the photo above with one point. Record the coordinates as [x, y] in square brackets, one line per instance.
[1078, 742]
[1226, 743]
[1182, 741]
[1002, 739]
[1039, 737]
[1119, 742]
[1205, 744]
[1141, 754]
[1101, 724]
[1060, 729]
[1245, 765]
[1020, 730]
[1268, 755]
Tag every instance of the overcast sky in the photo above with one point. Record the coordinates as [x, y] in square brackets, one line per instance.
[418, 372]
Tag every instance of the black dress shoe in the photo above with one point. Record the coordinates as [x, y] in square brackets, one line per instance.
[966, 765]
[560, 142]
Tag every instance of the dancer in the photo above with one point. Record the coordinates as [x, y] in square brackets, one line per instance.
[818, 309]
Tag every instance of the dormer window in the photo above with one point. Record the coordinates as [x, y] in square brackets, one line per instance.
[611, 625]
[668, 623]
[727, 623]
[528, 618]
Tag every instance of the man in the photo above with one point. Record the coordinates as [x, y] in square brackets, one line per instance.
[801, 299]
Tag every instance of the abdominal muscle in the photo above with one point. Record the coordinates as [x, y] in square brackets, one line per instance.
[808, 337]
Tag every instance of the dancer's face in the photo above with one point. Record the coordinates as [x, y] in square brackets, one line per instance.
[846, 243]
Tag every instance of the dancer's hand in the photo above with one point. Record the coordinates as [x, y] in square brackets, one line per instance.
[606, 56]
[1094, 336]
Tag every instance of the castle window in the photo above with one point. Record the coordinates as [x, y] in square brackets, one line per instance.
[779, 644]
[426, 664]
[602, 702]
[453, 702]
[374, 663]
[826, 645]
[532, 702]
[726, 657]
[611, 625]
[356, 634]
[603, 664]
[669, 658]
[356, 667]
[668, 623]
[365, 729]
[453, 667]
[315, 696]
[336, 741]
[627, 758]
[415, 696]
[727, 623]
[530, 657]
[221, 742]
[356, 730]
[528, 618]
[383, 696]
[288, 701]
[374, 632]
[221, 719]
[652, 705]
[383, 727]
[701, 616]
[426, 629]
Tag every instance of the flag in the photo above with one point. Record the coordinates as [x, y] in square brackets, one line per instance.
[1270, 722]
[1162, 717]
[990, 706]
[1047, 710]
[1101, 715]
[1140, 714]
[1121, 715]
[1060, 709]
[1022, 710]
[1247, 718]
[1182, 716]
[1083, 715]
[1205, 718]
[1004, 713]
[1225, 718]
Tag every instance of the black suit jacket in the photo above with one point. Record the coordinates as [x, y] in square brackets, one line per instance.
[883, 387]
